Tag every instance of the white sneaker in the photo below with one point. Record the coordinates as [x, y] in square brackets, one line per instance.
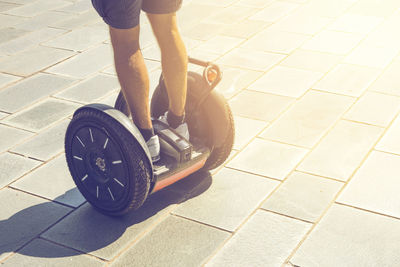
[154, 147]
[182, 129]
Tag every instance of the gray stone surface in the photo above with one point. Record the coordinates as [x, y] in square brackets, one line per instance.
[46, 144]
[80, 39]
[71, 23]
[92, 89]
[267, 239]
[360, 238]
[7, 34]
[303, 196]
[27, 63]
[245, 130]
[37, 7]
[44, 253]
[263, 106]
[41, 21]
[233, 196]
[21, 218]
[41, 114]
[267, 158]
[77, 6]
[4, 6]
[10, 136]
[28, 40]
[6, 79]
[31, 90]
[176, 242]
[10, 21]
[13, 166]
[3, 115]
[52, 181]
[89, 231]
[86, 63]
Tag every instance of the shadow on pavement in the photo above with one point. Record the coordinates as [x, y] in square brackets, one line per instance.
[89, 231]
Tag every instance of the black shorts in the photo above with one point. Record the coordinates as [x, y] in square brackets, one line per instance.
[124, 14]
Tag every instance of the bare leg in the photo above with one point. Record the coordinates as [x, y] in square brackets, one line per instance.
[132, 73]
[174, 59]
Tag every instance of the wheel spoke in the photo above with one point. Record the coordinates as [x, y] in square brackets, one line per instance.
[80, 141]
[119, 182]
[111, 194]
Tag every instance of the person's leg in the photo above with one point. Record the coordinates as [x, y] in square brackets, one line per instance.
[174, 59]
[132, 73]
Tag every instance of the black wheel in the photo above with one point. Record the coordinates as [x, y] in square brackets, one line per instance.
[106, 163]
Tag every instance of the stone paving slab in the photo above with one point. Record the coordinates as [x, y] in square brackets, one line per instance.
[389, 81]
[89, 231]
[90, 90]
[7, 34]
[308, 119]
[303, 196]
[52, 181]
[36, 8]
[232, 201]
[265, 107]
[86, 63]
[14, 166]
[22, 215]
[6, 79]
[80, 39]
[10, 136]
[286, 81]
[374, 108]
[245, 130]
[40, 22]
[340, 153]
[348, 80]
[42, 114]
[389, 141]
[258, 242]
[266, 158]
[30, 90]
[4, 6]
[44, 253]
[372, 186]
[46, 144]
[184, 237]
[28, 40]
[360, 238]
[27, 63]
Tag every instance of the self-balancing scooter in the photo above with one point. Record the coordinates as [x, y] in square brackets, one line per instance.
[109, 160]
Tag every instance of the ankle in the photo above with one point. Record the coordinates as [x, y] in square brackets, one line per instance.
[147, 133]
[173, 120]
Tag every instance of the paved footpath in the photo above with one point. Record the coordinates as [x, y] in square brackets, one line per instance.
[314, 177]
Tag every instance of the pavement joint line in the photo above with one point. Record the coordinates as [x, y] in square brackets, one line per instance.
[43, 197]
[366, 156]
[364, 123]
[322, 176]
[202, 223]
[366, 210]
[288, 216]
[281, 142]
[74, 249]
[140, 236]
[22, 155]
[18, 128]
[387, 152]
[256, 174]
[40, 233]
[42, 163]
